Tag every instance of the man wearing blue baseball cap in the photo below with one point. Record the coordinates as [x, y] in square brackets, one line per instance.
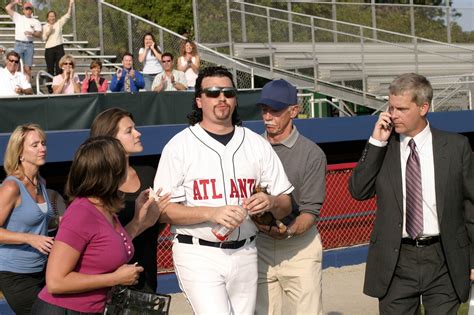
[289, 259]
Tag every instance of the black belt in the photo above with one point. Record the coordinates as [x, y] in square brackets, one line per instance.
[188, 239]
[23, 41]
[421, 241]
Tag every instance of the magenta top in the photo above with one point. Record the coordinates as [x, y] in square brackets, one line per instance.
[103, 249]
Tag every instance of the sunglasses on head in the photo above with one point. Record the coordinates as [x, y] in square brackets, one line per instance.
[15, 61]
[215, 91]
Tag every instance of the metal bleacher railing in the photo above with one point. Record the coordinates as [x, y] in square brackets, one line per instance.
[343, 221]
[364, 58]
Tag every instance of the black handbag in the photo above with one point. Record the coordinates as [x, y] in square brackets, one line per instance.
[122, 300]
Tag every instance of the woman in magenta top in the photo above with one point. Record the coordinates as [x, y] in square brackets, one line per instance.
[92, 250]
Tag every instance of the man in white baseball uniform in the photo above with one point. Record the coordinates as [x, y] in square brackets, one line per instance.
[290, 261]
[211, 168]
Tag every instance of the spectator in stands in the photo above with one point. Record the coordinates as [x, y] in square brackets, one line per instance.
[67, 82]
[53, 36]
[12, 81]
[93, 83]
[92, 249]
[127, 79]
[189, 62]
[117, 123]
[24, 214]
[171, 79]
[150, 56]
[26, 28]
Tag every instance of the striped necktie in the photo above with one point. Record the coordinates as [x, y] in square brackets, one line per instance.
[414, 195]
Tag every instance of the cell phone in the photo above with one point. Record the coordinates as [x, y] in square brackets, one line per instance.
[390, 125]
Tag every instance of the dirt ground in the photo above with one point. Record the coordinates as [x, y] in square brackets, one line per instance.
[342, 294]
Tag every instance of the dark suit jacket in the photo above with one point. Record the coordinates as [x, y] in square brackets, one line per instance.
[378, 173]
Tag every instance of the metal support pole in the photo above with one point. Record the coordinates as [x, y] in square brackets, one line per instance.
[162, 41]
[101, 27]
[374, 18]
[74, 25]
[412, 19]
[196, 21]
[315, 60]
[415, 43]
[448, 20]
[229, 29]
[334, 23]
[364, 82]
[269, 32]
[129, 26]
[252, 79]
[243, 22]
[290, 22]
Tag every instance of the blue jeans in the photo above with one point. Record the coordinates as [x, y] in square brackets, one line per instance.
[148, 78]
[25, 50]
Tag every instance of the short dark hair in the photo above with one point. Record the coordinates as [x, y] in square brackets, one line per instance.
[106, 123]
[418, 85]
[98, 169]
[96, 63]
[127, 54]
[167, 54]
[196, 114]
[13, 53]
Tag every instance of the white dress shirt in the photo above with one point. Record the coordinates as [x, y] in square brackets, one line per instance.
[424, 146]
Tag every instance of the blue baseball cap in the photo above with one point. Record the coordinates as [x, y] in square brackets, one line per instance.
[278, 94]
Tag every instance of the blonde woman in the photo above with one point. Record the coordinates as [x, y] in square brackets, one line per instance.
[24, 215]
[189, 62]
[67, 82]
[53, 37]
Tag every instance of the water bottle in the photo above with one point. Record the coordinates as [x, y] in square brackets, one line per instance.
[221, 232]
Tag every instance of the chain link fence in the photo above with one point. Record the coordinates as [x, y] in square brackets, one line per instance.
[343, 220]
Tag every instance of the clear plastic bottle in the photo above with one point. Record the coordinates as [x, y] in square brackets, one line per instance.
[221, 232]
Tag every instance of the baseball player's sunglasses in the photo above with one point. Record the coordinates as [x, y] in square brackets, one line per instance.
[215, 91]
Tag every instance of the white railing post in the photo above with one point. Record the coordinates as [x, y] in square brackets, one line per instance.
[229, 29]
[269, 32]
[196, 21]
[374, 18]
[290, 22]
[243, 22]
[74, 25]
[364, 75]
[129, 30]
[101, 27]
[315, 59]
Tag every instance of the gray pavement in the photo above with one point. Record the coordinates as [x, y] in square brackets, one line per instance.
[342, 294]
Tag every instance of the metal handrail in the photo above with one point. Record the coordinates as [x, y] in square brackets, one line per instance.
[38, 75]
[351, 24]
[401, 45]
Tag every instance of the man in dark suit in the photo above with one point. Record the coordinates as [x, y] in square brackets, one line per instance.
[421, 246]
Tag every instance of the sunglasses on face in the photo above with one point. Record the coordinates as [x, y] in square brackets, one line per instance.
[165, 61]
[28, 8]
[215, 91]
[68, 64]
[15, 61]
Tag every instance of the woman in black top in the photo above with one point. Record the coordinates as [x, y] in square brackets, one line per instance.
[118, 123]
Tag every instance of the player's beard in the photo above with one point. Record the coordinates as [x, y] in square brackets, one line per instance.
[222, 113]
